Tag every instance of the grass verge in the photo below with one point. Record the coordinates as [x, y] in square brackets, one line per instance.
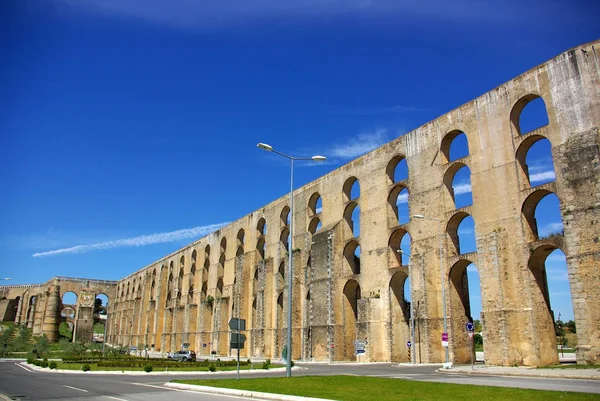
[357, 388]
[94, 367]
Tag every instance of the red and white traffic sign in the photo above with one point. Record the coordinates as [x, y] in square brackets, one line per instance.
[470, 333]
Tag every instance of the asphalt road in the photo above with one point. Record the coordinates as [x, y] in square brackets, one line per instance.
[22, 384]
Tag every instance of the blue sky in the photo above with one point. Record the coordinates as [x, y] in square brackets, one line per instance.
[129, 127]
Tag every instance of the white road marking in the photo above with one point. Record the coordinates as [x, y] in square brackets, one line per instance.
[75, 388]
[23, 367]
[115, 398]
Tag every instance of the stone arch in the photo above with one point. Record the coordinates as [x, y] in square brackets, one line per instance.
[280, 315]
[542, 309]
[219, 292]
[285, 215]
[315, 204]
[527, 170]
[193, 267]
[352, 256]
[203, 292]
[399, 317]
[280, 278]
[223, 245]
[452, 229]
[351, 189]
[285, 237]
[456, 189]
[397, 169]
[207, 257]
[260, 247]
[399, 237]
[315, 225]
[261, 226]
[352, 295]
[240, 236]
[399, 195]
[529, 209]
[352, 218]
[519, 109]
[450, 142]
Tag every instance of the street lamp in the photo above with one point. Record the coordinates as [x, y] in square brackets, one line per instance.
[420, 216]
[412, 309]
[269, 148]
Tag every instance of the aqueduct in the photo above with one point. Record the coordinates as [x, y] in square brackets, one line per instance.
[349, 278]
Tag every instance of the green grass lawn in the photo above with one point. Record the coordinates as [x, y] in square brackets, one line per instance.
[94, 367]
[355, 388]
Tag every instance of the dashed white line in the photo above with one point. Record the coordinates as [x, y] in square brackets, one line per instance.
[23, 367]
[75, 388]
[115, 398]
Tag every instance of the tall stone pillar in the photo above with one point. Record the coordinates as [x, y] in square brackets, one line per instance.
[52, 314]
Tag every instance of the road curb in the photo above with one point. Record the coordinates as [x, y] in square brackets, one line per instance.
[515, 374]
[241, 393]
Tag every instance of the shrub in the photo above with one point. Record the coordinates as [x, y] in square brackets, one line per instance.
[292, 364]
[44, 364]
[52, 365]
[148, 368]
[30, 360]
[266, 364]
[212, 367]
[86, 367]
[249, 362]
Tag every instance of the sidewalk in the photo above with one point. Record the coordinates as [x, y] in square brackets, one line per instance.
[586, 374]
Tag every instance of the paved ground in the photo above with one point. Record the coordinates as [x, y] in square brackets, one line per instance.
[22, 382]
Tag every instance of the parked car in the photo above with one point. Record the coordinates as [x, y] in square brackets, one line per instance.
[184, 356]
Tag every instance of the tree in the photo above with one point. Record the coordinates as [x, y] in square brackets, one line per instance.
[571, 326]
[477, 326]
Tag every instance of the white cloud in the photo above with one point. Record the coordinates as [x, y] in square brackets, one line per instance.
[465, 230]
[542, 176]
[402, 198]
[360, 144]
[462, 188]
[195, 13]
[138, 241]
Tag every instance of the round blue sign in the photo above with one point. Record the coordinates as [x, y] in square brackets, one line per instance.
[469, 326]
[409, 344]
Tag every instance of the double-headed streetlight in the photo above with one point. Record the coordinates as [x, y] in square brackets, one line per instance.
[420, 216]
[269, 148]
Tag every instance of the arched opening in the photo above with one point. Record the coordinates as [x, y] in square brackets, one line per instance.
[400, 317]
[261, 227]
[191, 294]
[458, 182]
[219, 292]
[466, 306]
[397, 169]
[315, 225]
[529, 114]
[223, 245]
[351, 189]
[240, 236]
[280, 323]
[181, 263]
[398, 201]
[255, 280]
[352, 256]
[260, 247]
[193, 267]
[541, 210]
[281, 275]
[399, 246]
[350, 313]
[285, 215]
[207, 257]
[315, 204]
[203, 292]
[69, 301]
[240, 251]
[68, 315]
[461, 229]
[552, 296]
[100, 314]
[352, 218]
[455, 145]
[535, 159]
[285, 238]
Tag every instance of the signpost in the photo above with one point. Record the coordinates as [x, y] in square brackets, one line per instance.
[237, 339]
[444, 339]
[409, 345]
[360, 347]
[470, 332]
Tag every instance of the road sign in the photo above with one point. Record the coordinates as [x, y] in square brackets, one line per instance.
[237, 340]
[332, 345]
[359, 351]
[237, 324]
[204, 345]
[470, 333]
[444, 339]
[409, 344]
[469, 326]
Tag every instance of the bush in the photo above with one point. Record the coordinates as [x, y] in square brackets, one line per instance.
[212, 367]
[266, 364]
[249, 362]
[30, 360]
[292, 364]
[86, 367]
[148, 368]
[44, 364]
[52, 365]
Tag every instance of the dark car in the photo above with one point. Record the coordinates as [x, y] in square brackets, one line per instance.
[184, 356]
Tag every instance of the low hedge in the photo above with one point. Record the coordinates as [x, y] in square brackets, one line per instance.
[162, 363]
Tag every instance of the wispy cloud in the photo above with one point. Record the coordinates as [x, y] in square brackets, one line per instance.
[194, 13]
[359, 144]
[462, 188]
[542, 176]
[377, 110]
[402, 198]
[138, 241]
[465, 230]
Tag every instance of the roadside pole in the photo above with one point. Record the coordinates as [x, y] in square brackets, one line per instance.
[238, 349]
[470, 332]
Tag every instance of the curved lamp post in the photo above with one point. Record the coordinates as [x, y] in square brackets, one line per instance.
[269, 148]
